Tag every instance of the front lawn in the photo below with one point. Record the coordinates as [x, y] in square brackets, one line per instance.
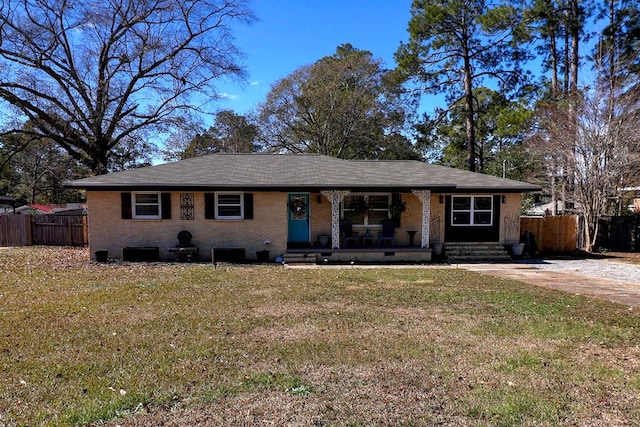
[177, 344]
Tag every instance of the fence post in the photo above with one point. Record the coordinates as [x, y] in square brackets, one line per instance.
[70, 232]
[28, 231]
[85, 231]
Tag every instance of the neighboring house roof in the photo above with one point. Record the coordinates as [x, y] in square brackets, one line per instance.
[33, 209]
[298, 172]
[43, 208]
[7, 199]
[543, 209]
[66, 209]
[71, 209]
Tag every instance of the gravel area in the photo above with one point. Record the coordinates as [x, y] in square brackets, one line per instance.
[591, 268]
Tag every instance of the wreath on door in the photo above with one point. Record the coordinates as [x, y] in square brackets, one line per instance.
[298, 207]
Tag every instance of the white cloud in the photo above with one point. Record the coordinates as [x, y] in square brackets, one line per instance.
[229, 96]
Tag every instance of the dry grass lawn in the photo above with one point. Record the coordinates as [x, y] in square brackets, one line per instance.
[175, 344]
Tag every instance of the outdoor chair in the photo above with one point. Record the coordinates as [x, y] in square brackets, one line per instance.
[184, 250]
[348, 235]
[388, 233]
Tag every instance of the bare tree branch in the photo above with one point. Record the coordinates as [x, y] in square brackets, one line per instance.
[93, 75]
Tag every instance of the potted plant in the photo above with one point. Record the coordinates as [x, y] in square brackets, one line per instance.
[512, 234]
[323, 240]
[396, 208]
[360, 207]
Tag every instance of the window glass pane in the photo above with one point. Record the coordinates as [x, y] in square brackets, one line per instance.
[228, 210]
[482, 218]
[354, 218]
[228, 199]
[351, 201]
[377, 217]
[379, 202]
[461, 203]
[147, 198]
[482, 203]
[147, 210]
[461, 218]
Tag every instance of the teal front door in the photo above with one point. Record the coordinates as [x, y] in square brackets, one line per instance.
[298, 208]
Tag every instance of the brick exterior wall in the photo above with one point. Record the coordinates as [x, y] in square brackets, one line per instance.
[510, 209]
[108, 231]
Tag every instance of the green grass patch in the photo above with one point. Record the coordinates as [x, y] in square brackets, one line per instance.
[84, 343]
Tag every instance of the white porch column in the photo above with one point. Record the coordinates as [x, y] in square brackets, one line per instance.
[425, 198]
[335, 197]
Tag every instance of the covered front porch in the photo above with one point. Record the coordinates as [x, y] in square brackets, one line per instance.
[374, 237]
[340, 233]
[472, 225]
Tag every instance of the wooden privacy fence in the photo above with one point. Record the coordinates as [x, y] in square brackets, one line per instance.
[619, 233]
[26, 230]
[15, 230]
[552, 234]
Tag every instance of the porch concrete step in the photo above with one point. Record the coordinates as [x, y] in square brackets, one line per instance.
[478, 258]
[299, 258]
[474, 252]
[486, 254]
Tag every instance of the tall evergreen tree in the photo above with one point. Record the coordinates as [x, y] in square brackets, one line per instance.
[457, 46]
[501, 128]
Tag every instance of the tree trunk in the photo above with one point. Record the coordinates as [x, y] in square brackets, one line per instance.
[99, 162]
[470, 122]
[555, 89]
[567, 67]
[575, 42]
[554, 195]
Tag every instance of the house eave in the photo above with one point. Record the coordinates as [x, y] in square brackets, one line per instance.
[442, 188]
[493, 190]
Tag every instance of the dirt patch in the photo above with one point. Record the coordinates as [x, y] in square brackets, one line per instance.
[629, 257]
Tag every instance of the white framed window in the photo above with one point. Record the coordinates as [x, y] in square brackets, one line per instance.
[368, 210]
[472, 210]
[146, 205]
[229, 206]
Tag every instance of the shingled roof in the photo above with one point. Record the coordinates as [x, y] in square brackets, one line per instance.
[255, 172]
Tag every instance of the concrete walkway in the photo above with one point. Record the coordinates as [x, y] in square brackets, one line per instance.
[611, 280]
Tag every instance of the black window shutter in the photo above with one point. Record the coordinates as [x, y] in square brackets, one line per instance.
[125, 205]
[165, 203]
[248, 205]
[396, 199]
[209, 206]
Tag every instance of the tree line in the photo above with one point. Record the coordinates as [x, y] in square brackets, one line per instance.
[90, 88]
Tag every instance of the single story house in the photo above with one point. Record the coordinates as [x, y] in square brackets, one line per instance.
[315, 205]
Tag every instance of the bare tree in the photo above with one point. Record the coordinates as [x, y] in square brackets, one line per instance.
[37, 170]
[96, 77]
[599, 146]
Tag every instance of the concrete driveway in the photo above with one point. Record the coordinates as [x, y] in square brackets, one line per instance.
[601, 278]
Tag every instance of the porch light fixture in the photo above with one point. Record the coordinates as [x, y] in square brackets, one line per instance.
[441, 199]
[504, 199]
[319, 198]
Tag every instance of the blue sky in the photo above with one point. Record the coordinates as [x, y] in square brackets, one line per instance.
[292, 33]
